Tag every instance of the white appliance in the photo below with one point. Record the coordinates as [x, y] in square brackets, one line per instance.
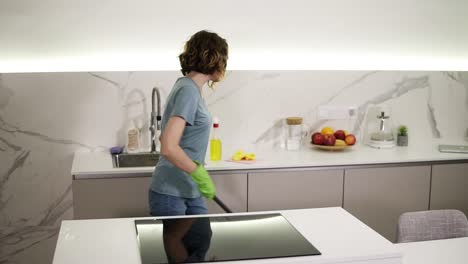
[379, 132]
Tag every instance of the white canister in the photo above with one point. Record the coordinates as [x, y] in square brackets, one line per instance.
[295, 133]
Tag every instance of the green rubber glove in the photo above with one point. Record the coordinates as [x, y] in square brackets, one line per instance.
[205, 185]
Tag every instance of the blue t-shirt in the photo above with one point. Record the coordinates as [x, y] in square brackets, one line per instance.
[184, 101]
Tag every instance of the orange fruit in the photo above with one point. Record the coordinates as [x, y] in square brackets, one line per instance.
[327, 131]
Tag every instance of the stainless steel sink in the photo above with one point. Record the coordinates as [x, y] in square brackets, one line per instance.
[147, 159]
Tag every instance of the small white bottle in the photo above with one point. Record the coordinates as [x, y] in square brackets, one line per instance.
[133, 138]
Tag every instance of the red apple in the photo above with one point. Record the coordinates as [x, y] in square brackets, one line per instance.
[329, 140]
[340, 134]
[317, 138]
[350, 139]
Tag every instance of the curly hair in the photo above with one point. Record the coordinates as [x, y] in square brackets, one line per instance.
[204, 52]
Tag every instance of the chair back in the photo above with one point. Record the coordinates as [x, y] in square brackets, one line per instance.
[431, 225]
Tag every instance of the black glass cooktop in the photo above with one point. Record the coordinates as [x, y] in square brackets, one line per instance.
[220, 238]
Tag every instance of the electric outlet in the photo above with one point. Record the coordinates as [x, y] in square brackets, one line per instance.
[336, 112]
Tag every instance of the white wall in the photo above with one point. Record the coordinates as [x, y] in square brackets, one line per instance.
[53, 35]
[46, 117]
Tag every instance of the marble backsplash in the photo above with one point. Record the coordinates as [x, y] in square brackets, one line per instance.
[46, 117]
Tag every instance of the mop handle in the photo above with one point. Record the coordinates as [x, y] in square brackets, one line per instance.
[222, 205]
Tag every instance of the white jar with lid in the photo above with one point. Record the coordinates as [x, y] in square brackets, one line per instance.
[295, 133]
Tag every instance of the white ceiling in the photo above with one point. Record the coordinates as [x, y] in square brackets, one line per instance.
[85, 35]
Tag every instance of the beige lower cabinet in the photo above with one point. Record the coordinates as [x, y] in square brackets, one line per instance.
[277, 190]
[449, 189]
[110, 197]
[378, 196]
[128, 197]
[231, 189]
[375, 195]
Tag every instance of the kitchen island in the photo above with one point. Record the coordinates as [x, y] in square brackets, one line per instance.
[451, 251]
[340, 237]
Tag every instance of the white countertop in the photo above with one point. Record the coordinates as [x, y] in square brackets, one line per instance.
[453, 251]
[87, 164]
[339, 236]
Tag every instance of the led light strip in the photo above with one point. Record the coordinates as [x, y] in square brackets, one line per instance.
[241, 60]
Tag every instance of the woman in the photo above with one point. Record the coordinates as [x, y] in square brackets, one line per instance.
[179, 179]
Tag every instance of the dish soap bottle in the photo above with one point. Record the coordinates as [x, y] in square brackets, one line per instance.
[133, 139]
[215, 142]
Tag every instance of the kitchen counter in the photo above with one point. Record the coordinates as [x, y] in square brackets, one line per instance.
[92, 164]
[339, 236]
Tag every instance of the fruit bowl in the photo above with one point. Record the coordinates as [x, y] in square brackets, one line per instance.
[328, 139]
[330, 147]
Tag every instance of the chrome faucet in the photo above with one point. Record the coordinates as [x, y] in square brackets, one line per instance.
[155, 118]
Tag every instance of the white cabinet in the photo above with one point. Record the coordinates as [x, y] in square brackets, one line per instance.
[449, 188]
[294, 189]
[378, 196]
